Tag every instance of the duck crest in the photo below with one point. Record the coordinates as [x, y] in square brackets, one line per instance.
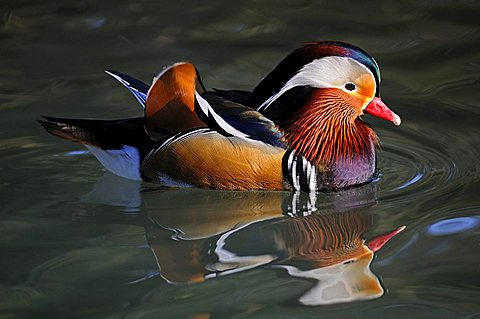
[300, 57]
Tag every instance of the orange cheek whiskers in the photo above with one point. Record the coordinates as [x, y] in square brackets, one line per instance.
[326, 129]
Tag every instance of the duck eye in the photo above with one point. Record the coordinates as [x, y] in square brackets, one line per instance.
[350, 86]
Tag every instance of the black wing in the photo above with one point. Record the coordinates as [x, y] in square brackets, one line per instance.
[234, 119]
[136, 87]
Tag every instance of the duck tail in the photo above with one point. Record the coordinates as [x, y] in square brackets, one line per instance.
[106, 134]
[68, 129]
[119, 145]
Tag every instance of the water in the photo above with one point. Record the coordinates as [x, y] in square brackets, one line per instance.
[79, 243]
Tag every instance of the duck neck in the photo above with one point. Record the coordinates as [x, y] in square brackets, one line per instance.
[327, 134]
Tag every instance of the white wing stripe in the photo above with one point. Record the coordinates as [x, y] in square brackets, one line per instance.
[208, 110]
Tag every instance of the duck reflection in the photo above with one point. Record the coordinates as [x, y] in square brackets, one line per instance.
[200, 234]
[331, 250]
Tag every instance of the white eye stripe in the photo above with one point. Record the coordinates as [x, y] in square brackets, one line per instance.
[328, 72]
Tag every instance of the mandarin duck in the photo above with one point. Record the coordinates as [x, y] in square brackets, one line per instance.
[299, 129]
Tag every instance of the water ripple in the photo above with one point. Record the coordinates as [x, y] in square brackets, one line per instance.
[412, 181]
[416, 166]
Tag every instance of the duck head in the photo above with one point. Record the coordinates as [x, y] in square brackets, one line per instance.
[316, 96]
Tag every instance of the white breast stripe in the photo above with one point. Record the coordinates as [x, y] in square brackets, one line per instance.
[305, 174]
[312, 201]
[312, 178]
[295, 176]
[290, 160]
